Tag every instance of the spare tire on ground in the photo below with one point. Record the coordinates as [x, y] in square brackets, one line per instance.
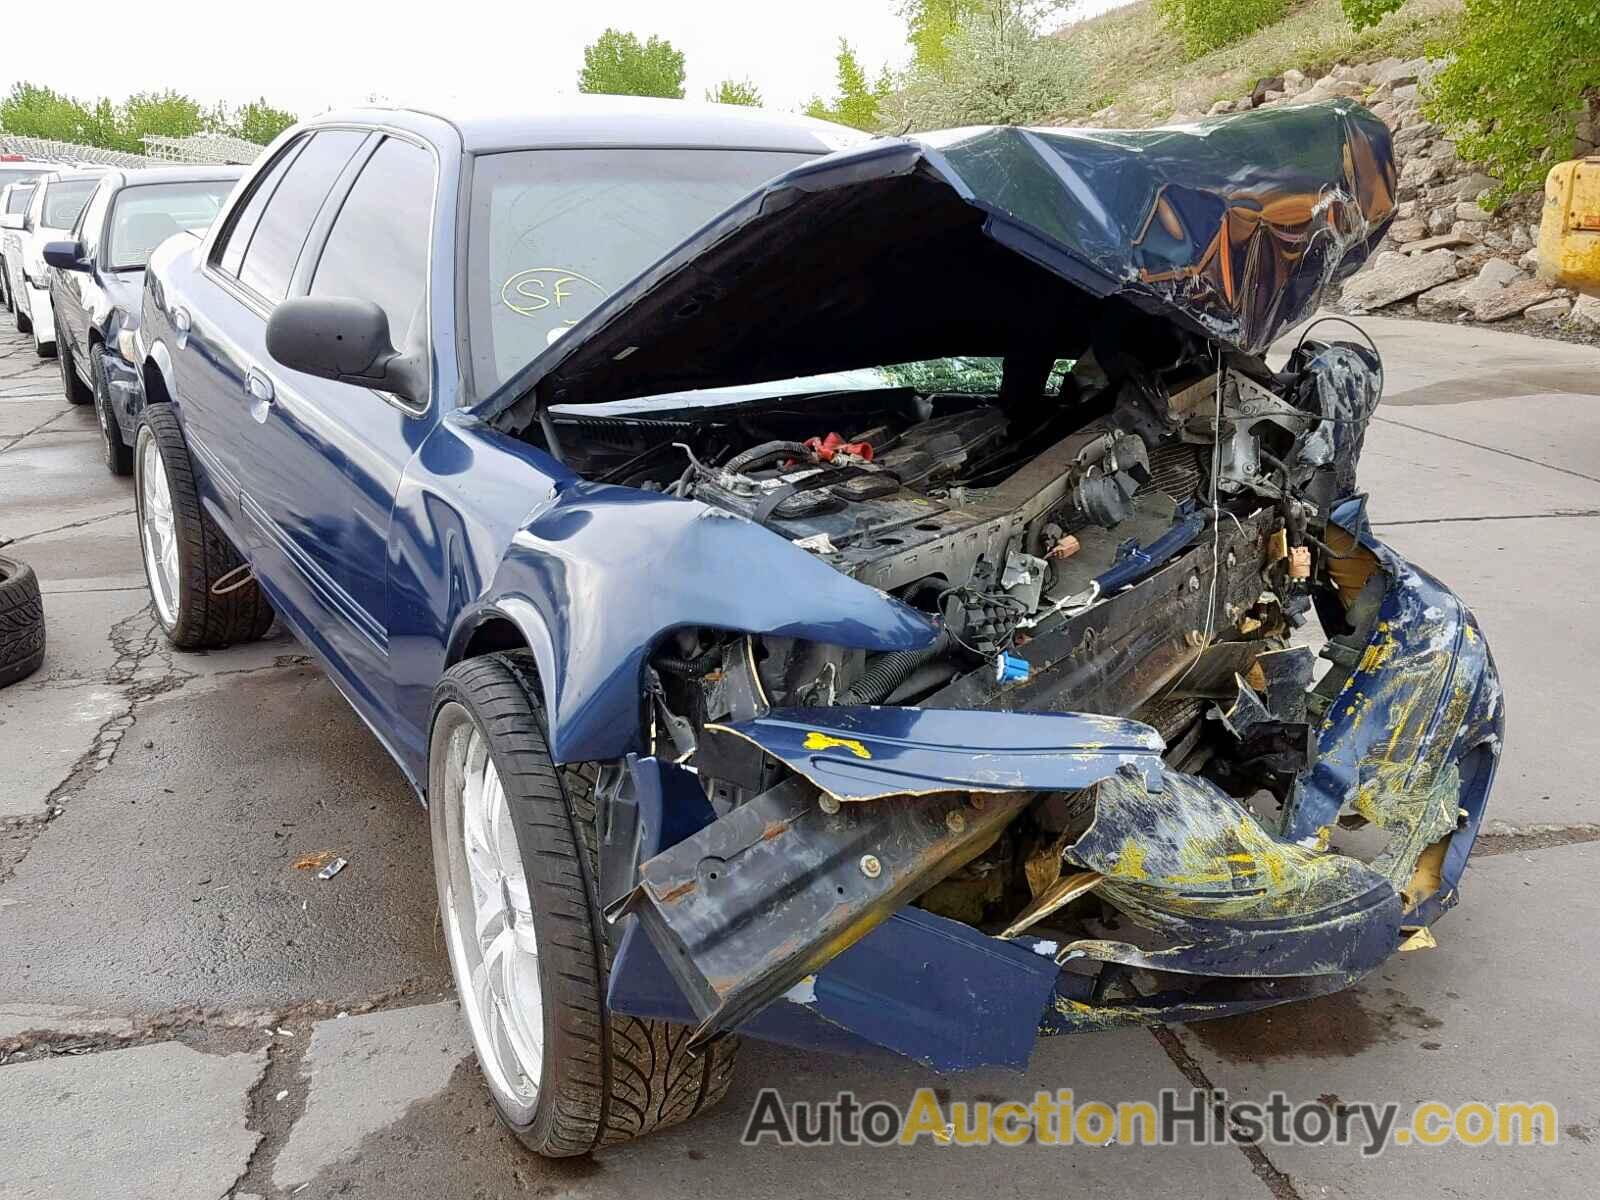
[21, 621]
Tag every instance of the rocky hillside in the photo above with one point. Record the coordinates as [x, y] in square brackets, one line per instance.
[1446, 257]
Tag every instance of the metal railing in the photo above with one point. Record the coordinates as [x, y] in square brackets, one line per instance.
[67, 153]
[203, 149]
[209, 148]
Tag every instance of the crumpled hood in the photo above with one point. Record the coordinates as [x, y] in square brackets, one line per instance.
[990, 241]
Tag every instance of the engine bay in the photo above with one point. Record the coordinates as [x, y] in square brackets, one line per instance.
[1005, 520]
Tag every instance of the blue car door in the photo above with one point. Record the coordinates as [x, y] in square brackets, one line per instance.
[220, 331]
[321, 460]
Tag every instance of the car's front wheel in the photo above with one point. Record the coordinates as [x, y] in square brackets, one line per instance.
[516, 860]
[202, 594]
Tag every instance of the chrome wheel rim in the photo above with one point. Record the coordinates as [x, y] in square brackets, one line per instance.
[158, 532]
[488, 918]
[103, 408]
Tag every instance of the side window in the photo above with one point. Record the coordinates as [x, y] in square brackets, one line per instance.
[92, 221]
[230, 251]
[378, 247]
[281, 233]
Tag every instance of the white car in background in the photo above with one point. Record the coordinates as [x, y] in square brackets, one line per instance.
[58, 200]
[17, 175]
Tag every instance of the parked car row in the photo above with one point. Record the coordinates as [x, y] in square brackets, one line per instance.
[820, 587]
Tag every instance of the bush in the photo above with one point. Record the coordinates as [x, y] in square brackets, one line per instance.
[996, 69]
[1518, 76]
[1206, 24]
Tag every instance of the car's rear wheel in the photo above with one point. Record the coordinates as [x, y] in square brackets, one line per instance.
[116, 452]
[24, 324]
[516, 859]
[75, 390]
[201, 593]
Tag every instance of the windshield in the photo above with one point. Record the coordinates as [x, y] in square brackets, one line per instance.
[64, 200]
[17, 199]
[148, 214]
[554, 232]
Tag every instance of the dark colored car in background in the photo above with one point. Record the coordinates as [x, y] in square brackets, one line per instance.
[866, 626]
[97, 282]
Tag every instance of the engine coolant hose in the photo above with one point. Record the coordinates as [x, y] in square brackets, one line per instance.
[891, 670]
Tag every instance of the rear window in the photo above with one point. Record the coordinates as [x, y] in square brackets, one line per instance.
[554, 232]
[64, 200]
[148, 214]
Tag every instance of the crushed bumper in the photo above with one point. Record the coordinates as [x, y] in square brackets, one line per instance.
[126, 391]
[788, 918]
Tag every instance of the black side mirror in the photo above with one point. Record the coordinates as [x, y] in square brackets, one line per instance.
[68, 256]
[347, 341]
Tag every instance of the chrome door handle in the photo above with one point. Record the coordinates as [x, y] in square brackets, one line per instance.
[258, 386]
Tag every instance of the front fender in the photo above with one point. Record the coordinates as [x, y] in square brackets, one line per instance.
[596, 578]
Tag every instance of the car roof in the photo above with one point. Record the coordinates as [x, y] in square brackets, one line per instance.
[633, 121]
[73, 173]
[136, 176]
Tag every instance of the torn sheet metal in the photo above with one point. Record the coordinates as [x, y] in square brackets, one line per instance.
[987, 240]
[942, 785]
[921, 986]
[1411, 740]
[1195, 866]
[865, 753]
[1070, 1012]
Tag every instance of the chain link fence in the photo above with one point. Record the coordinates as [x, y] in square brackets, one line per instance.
[203, 149]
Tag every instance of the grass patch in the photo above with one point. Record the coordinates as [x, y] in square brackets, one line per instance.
[1139, 66]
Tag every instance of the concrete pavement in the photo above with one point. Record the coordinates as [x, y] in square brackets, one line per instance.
[183, 1013]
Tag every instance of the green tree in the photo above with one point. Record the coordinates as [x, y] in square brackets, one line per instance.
[930, 24]
[1206, 24]
[735, 91]
[165, 114]
[1519, 73]
[33, 111]
[259, 122]
[617, 64]
[855, 102]
[999, 68]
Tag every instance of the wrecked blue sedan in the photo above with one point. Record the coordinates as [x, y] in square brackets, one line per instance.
[868, 626]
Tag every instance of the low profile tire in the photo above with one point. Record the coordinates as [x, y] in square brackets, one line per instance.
[116, 452]
[185, 555]
[21, 621]
[516, 860]
[72, 387]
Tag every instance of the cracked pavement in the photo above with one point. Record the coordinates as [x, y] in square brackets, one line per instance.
[184, 1014]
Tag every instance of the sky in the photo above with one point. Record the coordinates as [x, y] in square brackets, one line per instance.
[308, 56]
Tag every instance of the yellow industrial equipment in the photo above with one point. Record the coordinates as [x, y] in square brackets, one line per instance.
[1569, 233]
